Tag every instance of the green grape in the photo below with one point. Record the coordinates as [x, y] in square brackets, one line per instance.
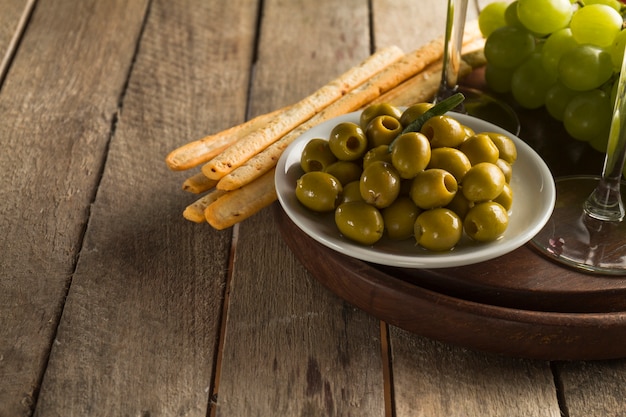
[557, 98]
[544, 16]
[530, 82]
[510, 15]
[554, 47]
[612, 3]
[491, 18]
[508, 47]
[596, 24]
[587, 116]
[585, 67]
[617, 50]
[498, 79]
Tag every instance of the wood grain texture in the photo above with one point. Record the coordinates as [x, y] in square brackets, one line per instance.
[139, 330]
[57, 104]
[314, 355]
[13, 20]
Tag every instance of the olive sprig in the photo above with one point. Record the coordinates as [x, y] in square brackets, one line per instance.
[438, 109]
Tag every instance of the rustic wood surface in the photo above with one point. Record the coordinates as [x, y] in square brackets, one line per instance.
[112, 304]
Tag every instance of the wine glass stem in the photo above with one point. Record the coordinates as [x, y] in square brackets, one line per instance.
[605, 202]
[453, 41]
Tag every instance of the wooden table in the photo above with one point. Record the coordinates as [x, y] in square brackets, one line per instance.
[111, 304]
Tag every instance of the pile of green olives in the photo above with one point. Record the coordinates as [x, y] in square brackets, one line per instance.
[431, 186]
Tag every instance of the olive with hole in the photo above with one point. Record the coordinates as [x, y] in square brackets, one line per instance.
[318, 191]
[484, 181]
[486, 222]
[443, 131]
[378, 109]
[344, 171]
[438, 229]
[347, 141]
[399, 218]
[360, 222]
[433, 188]
[382, 130]
[480, 148]
[452, 160]
[380, 184]
[316, 155]
[411, 113]
[410, 154]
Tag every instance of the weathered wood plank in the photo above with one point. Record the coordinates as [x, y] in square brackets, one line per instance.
[593, 388]
[139, 331]
[57, 105]
[13, 20]
[313, 354]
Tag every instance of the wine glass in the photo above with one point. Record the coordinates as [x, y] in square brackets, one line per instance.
[587, 230]
[476, 103]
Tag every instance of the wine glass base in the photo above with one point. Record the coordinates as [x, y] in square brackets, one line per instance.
[573, 238]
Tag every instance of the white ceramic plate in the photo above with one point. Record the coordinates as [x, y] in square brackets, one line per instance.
[533, 189]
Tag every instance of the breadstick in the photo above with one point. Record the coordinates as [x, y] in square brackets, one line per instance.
[198, 183]
[202, 150]
[295, 115]
[236, 206]
[385, 80]
[195, 211]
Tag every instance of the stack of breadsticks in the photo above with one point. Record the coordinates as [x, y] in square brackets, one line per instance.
[237, 165]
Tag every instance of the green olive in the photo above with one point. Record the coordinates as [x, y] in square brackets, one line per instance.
[433, 188]
[438, 229]
[379, 109]
[351, 192]
[380, 184]
[399, 218]
[410, 154]
[382, 130]
[316, 155]
[484, 181]
[506, 169]
[505, 198]
[480, 148]
[413, 112]
[444, 131]
[344, 171]
[460, 205]
[506, 146]
[379, 153]
[347, 141]
[360, 222]
[318, 191]
[452, 160]
[486, 222]
[468, 131]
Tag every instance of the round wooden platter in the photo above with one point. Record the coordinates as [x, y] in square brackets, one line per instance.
[520, 304]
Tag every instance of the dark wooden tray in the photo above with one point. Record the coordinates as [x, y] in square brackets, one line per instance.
[520, 304]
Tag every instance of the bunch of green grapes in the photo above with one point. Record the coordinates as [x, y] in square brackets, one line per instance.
[565, 55]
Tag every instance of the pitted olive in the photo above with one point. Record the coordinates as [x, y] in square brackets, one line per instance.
[452, 160]
[506, 169]
[480, 148]
[344, 171]
[378, 109]
[486, 222]
[382, 130]
[399, 218]
[444, 131]
[380, 184]
[410, 154]
[506, 147]
[316, 155]
[433, 188]
[413, 112]
[438, 229]
[379, 153]
[484, 181]
[347, 141]
[318, 191]
[351, 192]
[505, 198]
[360, 222]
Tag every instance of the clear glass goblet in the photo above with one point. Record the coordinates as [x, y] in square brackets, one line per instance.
[587, 230]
